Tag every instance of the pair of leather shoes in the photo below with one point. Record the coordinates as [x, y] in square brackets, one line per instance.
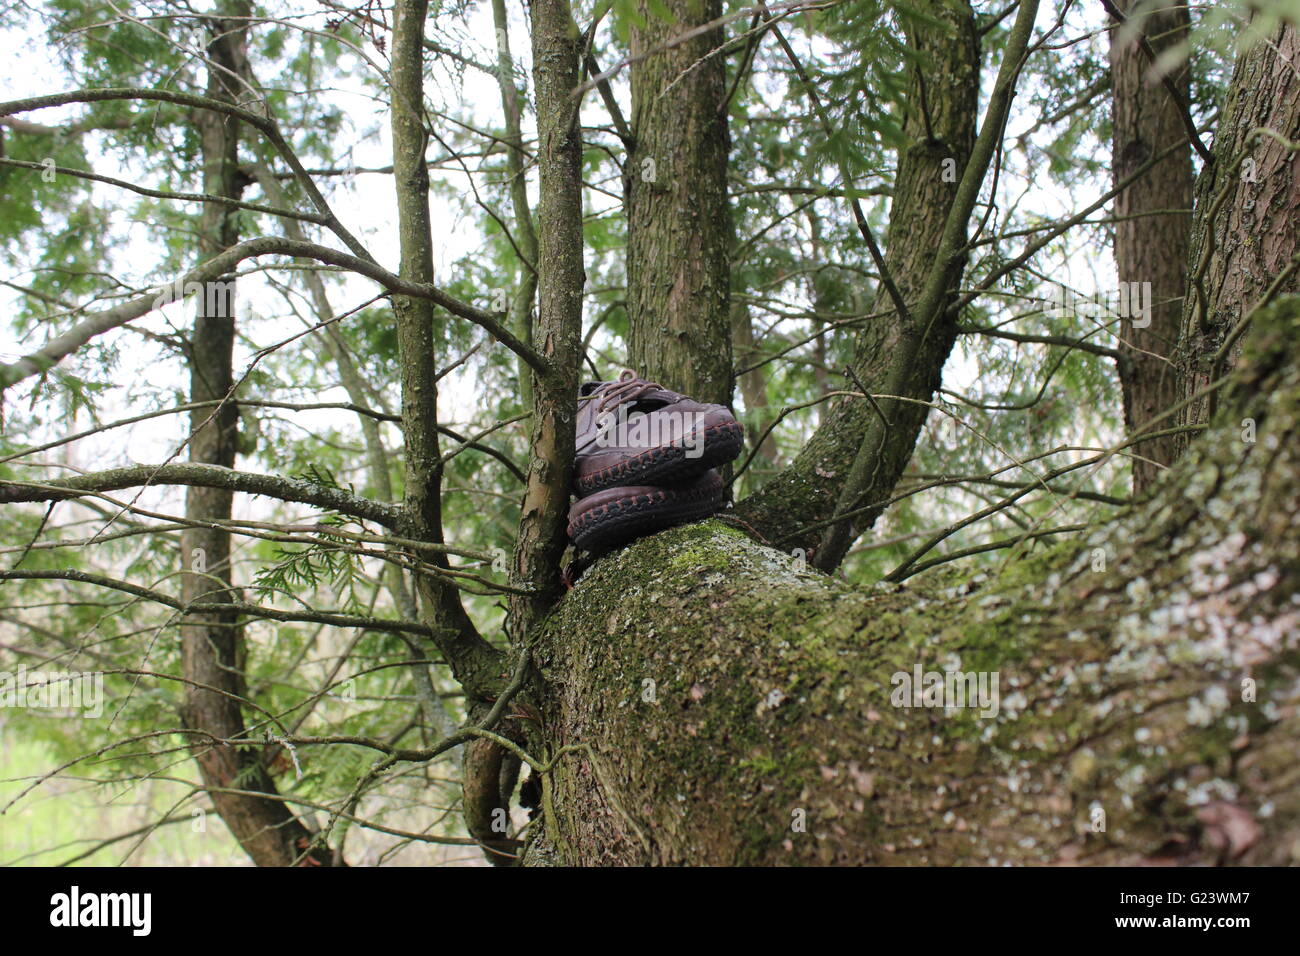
[646, 460]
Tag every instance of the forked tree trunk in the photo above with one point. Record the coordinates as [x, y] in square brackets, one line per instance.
[724, 706]
[712, 701]
[211, 644]
[790, 510]
[1154, 220]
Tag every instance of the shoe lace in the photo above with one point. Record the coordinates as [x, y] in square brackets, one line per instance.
[628, 388]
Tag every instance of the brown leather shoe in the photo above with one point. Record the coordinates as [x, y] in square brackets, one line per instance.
[613, 517]
[634, 432]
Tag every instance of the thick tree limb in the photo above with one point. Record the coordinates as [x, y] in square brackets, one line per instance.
[1148, 685]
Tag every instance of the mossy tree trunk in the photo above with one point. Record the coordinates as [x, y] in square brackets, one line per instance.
[707, 699]
[724, 706]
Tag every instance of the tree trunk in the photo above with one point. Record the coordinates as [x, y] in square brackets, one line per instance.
[525, 235]
[722, 706]
[211, 644]
[711, 701]
[678, 252]
[474, 662]
[1246, 242]
[557, 46]
[490, 771]
[790, 510]
[1154, 221]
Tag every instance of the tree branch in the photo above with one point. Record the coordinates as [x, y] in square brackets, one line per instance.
[165, 194]
[97, 323]
[205, 476]
[259, 121]
[220, 607]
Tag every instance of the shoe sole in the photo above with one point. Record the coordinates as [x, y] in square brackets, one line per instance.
[611, 525]
[668, 464]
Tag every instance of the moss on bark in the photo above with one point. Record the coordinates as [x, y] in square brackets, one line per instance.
[732, 708]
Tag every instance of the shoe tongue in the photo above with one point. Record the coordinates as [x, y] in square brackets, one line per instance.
[647, 403]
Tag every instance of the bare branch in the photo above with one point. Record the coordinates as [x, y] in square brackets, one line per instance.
[205, 476]
[165, 194]
[218, 607]
[98, 323]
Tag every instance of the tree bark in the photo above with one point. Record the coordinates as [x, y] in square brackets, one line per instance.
[557, 45]
[714, 702]
[1154, 220]
[475, 663]
[1244, 240]
[212, 643]
[675, 184]
[719, 705]
[490, 771]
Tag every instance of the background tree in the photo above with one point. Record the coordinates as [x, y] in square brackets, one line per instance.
[1151, 118]
[1245, 253]
[212, 643]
